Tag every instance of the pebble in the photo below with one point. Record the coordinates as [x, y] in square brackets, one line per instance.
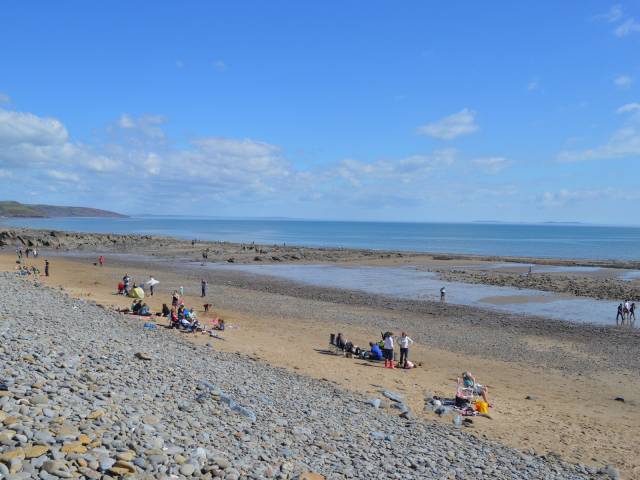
[90, 404]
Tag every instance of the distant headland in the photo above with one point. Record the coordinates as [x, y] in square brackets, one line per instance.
[13, 209]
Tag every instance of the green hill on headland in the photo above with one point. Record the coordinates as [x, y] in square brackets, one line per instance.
[16, 209]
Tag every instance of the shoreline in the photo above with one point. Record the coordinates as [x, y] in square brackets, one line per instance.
[247, 252]
[560, 366]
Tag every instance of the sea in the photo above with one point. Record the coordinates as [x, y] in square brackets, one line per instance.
[530, 240]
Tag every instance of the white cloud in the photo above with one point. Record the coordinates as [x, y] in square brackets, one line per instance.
[63, 176]
[18, 127]
[4, 98]
[627, 27]
[613, 15]
[566, 196]
[629, 107]
[491, 165]
[625, 142]
[406, 170]
[146, 125]
[623, 81]
[30, 141]
[219, 65]
[453, 126]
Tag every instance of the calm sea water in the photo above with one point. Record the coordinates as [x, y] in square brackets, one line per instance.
[411, 283]
[553, 241]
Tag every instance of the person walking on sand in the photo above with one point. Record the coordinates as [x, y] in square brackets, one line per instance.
[388, 350]
[632, 313]
[203, 288]
[443, 293]
[46, 268]
[620, 315]
[404, 342]
[181, 291]
[101, 260]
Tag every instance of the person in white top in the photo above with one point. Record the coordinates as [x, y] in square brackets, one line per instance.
[404, 342]
[388, 350]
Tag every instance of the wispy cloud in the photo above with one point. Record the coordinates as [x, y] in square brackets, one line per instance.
[533, 85]
[628, 107]
[453, 126]
[219, 65]
[147, 125]
[63, 176]
[629, 26]
[614, 14]
[623, 81]
[624, 142]
[566, 196]
[491, 165]
[405, 170]
[626, 24]
[4, 98]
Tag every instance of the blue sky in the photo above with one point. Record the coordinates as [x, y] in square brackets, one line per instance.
[507, 111]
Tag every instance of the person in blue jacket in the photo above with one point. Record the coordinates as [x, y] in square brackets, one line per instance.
[376, 352]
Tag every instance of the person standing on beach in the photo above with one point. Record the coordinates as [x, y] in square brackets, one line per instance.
[152, 283]
[620, 314]
[203, 287]
[125, 281]
[175, 299]
[404, 342]
[46, 268]
[101, 260]
[388, 350]
[443, 293]
[181, 291]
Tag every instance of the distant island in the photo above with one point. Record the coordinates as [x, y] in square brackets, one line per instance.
[21, 210]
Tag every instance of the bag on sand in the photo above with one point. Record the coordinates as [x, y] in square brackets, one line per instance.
[461, 402]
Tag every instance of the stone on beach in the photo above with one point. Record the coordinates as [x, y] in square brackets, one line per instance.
[112, 415]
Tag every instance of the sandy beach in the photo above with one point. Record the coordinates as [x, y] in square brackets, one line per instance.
[553, 384]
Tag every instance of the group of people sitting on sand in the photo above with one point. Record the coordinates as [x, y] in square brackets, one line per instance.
[626, 313]
[383, 349]
[179, 315]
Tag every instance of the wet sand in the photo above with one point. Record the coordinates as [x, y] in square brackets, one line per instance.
[573, 372]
